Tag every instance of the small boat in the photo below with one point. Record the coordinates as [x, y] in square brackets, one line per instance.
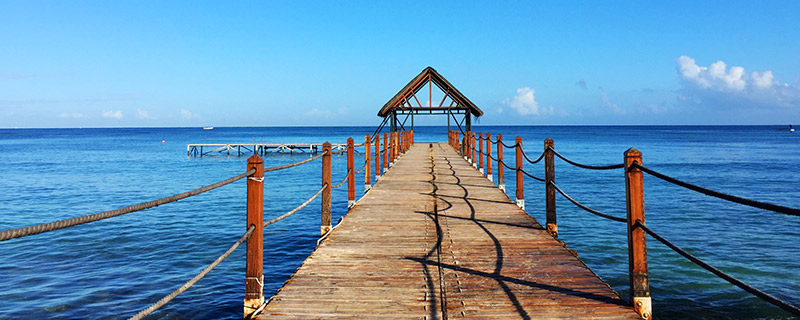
[790, 128]
[208, 128]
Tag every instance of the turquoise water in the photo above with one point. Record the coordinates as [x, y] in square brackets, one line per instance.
[113, 268]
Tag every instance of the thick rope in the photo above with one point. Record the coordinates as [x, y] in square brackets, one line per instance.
[61, 224]
[530, 175]
[505, 165]
[717, 194]
[719, 273]
[366, 163]
[510, 146]
[534, 161]
[205, 271]
[523, 171]
[194, 280]
[590, 210]
[286, 166]
[343, 180]
[296, 209]
[585, 166]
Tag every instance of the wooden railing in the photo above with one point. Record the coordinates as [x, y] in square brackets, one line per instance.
[637, 230]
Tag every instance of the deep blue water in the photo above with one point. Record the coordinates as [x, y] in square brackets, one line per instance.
[113, 268]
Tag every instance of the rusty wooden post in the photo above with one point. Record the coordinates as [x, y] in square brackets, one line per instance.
[325, 226]
[550, 189]
[385, 151]
[392, 147]
[474, 150]
[377, 157]
[480, 153]
[367, 155]
[400, 143]
[637, 245]
[254, 273]
[403, 137]
[351, 174]
[520, 181]
[488, 157]
[465, 146]
[501, 182]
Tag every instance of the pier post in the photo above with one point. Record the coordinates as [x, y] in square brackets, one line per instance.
[488, 157]
[377, 157]
[385, 152]
[325, 225]
[480, 153]
[254, 273]
[399, 138]
[550, 189]
[464, 145]
[501, 181]
[351, 174]
[637, 245]
[367, 155]
[400, 144]
[474, 149]
[392, 148]
[520, 181]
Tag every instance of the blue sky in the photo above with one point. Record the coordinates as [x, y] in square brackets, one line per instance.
[269, 63]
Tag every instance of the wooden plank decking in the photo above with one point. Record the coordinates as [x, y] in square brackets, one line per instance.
[473, 253]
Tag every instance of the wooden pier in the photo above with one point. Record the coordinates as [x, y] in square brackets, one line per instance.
[260, 148]
[435, 239]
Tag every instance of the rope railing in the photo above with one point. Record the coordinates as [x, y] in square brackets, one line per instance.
[509, 146]
[71, 222]
[532, 176]
[216, 262]
[286, 166]
[744, 286]
[505, 165]
[195, 279]
[590, 210]
[720, 195]
[637, 231]
[256, 172]
[585, 166]
[343, 180]
[301, 206]
[366, 163]
[533, 161]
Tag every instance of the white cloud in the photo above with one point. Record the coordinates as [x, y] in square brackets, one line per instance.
[716, 84]
[72, 115]
[114, 114]
[142, 114]
[615, 108]
[525, 103]
[188, 115]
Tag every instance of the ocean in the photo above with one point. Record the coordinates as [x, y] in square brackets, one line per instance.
[113, 268]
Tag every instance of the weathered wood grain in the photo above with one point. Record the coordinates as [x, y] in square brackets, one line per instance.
[405, 250]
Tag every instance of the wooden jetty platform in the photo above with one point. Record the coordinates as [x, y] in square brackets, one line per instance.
[435, 239]
[260, 148]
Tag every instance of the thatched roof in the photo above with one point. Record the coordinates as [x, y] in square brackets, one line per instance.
[420, 81]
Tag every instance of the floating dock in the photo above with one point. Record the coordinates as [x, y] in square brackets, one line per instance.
[435, 239]
[204, 149]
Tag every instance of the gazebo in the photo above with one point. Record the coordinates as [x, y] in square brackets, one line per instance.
[406, 104]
